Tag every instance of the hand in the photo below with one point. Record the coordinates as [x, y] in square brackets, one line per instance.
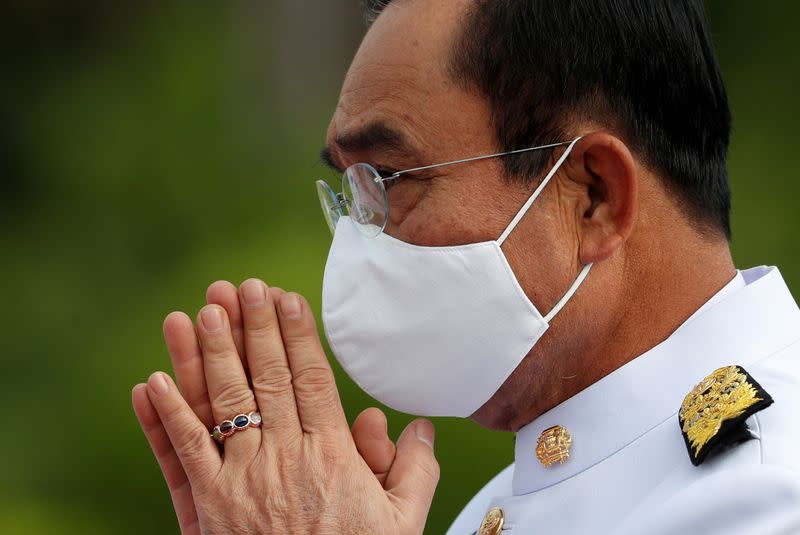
[302, 471]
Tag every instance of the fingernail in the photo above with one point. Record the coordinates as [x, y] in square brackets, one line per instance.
[212, 319]
[290, 306]
[424, 430]
[158, 383]
[253, 292]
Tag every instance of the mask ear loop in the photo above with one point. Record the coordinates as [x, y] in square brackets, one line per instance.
[514, 222]
[567, 296]
[530, 201]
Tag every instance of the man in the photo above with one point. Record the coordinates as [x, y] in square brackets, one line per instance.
[532, 232]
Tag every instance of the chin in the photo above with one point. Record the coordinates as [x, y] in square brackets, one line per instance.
[496, 416]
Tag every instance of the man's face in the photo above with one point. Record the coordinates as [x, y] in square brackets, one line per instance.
[400, 108]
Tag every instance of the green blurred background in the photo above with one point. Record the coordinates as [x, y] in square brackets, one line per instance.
[148, 149]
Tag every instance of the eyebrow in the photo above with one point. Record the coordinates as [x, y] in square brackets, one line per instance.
[376, 135]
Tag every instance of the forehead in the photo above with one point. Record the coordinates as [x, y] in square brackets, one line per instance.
[400, 75]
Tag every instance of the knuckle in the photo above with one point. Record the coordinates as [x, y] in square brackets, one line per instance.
[333, 456]
[190, 446]
[318, 387]
[217, 340]
[324, 401]
[325, 405]
[287, 464]
[234, 398]
[274, 380]
[300, 337]
[261, 327]
[195, 439]
[314, 378]
[216, 524]
[220, 350]
[175, 421]
[430, 467]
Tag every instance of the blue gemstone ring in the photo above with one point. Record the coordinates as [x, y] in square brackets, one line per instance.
[239, 422]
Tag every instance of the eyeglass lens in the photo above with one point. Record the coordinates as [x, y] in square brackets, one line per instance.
[363, 198]
[367, 195]
[329, 202]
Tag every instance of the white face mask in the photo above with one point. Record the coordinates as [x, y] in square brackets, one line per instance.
[431, 331]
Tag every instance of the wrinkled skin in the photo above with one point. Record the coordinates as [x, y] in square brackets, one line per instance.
[303, 471]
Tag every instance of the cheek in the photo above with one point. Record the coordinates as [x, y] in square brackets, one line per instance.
[541, 258]
[439, 214]
[404, 201]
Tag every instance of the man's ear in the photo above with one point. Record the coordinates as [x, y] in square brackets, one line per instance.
[607, 210]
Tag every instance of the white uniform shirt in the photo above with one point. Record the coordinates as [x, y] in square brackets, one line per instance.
[629, 471]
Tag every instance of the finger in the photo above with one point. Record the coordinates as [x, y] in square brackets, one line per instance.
[276, 294]
[271, 377]
[415, 471]
[187, 361]
[188, 436]
[171, 468]
[228, 388]
[224, 294]
[318, 404]
[371, 436]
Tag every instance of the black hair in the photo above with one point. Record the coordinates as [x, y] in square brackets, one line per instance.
[644, 69]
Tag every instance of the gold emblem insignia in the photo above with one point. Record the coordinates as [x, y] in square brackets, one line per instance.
[717, 407]
[493, 522]
[553, 446]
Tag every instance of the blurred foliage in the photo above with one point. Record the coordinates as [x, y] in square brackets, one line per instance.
[149, 150]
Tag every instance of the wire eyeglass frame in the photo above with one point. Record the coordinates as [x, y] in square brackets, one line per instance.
[334, 204]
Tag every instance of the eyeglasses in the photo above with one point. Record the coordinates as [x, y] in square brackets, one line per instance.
[364, 197]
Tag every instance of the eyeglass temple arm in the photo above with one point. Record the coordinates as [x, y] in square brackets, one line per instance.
[476, 158]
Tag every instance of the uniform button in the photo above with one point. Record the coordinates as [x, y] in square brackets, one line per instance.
[553, 446]
[493, 522]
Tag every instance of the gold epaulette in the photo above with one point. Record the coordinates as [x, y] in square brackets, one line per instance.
[713, 414]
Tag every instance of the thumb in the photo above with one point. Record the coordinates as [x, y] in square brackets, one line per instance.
[372, 441]
[414, 474]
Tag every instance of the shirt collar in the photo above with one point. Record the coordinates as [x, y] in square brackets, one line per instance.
[749, 319]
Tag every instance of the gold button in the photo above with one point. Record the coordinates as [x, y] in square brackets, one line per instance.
[553, 446]
[493, 522]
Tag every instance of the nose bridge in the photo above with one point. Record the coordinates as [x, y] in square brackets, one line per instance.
[344, 202]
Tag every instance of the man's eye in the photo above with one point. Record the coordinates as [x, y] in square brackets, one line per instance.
[386, 173]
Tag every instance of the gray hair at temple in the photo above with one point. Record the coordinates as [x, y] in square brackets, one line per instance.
[373, 8]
